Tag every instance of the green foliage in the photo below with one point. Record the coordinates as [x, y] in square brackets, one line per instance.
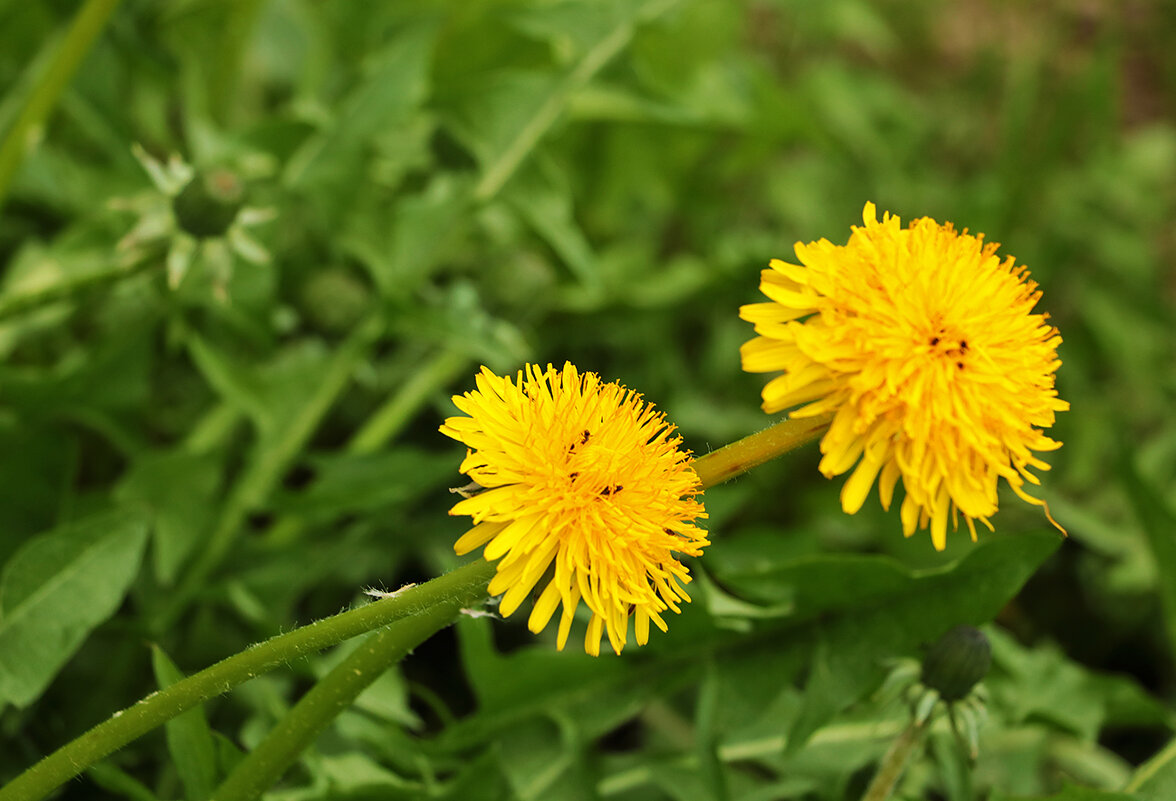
[1156, 778]
[55, 589]
[1071, 793]
[191, 467]
[189, 739]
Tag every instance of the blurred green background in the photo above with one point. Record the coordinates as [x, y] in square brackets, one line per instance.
[430, 186]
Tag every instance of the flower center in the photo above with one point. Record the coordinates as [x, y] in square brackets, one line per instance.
[591, 471]
[949, 346]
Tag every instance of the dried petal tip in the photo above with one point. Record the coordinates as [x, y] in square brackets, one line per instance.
[586, 494]
[468, 490]
[924, 346]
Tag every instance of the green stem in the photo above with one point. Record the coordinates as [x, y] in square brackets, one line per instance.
[755, 449]
[336, 691]
[464, 585]
[895, 762]
[432, 606]
[265, 764]
[29, 126]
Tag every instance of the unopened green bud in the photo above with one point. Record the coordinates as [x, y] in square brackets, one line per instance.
[334, 299]
[956, 662]
[208, 204]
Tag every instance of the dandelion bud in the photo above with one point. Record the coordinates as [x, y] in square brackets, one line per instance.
[956, 662]
[209, 203]
[334, 299]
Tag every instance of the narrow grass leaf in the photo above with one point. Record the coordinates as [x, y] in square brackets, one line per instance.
[119, 782]
[189, 738]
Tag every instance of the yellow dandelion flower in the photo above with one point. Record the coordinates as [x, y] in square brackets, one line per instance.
[582, 485]
[924, 346]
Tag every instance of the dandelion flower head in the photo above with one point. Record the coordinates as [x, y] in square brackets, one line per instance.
[582, 486]
[923, 345]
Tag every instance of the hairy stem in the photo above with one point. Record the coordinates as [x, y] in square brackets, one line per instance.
[336, 691]
[755, 449]
[463, 585]
[339, 688]
[422, 610]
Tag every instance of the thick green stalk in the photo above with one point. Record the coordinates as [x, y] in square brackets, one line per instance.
[432, 605]
[755, 449]
[338, 689]
[464, 585]
[27, 129]
[335, 692]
